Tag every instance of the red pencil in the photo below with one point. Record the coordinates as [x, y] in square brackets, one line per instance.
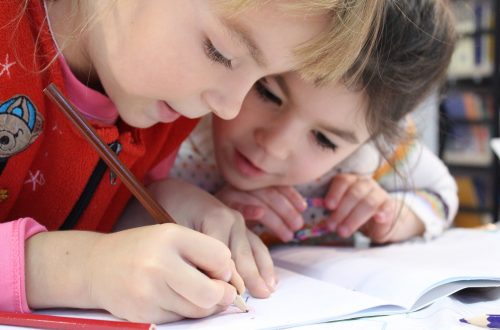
[40, 321]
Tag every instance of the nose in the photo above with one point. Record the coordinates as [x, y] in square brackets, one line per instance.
[278, 139]
[226, 99]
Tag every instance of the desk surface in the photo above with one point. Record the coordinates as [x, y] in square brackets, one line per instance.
[443, 314]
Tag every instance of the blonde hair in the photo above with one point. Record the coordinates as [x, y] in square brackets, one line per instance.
[349, 37]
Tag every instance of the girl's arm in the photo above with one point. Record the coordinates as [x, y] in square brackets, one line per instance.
[151, 274]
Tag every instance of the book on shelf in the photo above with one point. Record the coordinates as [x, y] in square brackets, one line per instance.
[472, 191]
[468, 145]
[474, 199]
[474, 51]
[472, 15]
[322, 284]
[468, 105]
[466, 141]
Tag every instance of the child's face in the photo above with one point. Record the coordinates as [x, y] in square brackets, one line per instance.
[160, 59]
[289, 132]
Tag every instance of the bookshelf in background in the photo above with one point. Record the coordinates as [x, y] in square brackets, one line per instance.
[469, 112]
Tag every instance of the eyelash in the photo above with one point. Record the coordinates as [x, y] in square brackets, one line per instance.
[214, 55]
[323, 142]
[266, 95]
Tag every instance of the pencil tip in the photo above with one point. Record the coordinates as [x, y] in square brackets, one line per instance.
[240, 303]
[463, 320]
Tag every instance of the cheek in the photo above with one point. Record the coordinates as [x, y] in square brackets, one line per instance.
[158, 79]
[156, 68]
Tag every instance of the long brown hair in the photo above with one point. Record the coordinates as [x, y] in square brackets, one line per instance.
[410, 60]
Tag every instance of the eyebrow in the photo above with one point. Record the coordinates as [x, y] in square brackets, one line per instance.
[244, 37]
[345, 135]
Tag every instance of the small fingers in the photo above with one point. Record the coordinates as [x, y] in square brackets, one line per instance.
[294, 197]
[263, 260]
[282, 206]
[351, 197]
[277, 226]
[338, 187]
[208, 255]
[180, 307]
[361, 213]
[246, 263]
[384, 223]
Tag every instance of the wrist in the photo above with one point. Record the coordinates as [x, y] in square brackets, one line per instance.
[408, 225]
[57, 269]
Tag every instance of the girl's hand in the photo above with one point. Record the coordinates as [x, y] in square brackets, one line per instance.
[156, 274]
[404, 226]
[199, 210]
[360, 203]
[277, 208]
[162, 273]
[355, 200]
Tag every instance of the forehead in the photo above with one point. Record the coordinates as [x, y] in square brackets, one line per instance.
[275, 31]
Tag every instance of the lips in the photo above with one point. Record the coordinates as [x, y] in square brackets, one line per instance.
[245, 166]
[165, 113]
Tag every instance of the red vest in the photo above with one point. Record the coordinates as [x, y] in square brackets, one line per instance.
[48, 170]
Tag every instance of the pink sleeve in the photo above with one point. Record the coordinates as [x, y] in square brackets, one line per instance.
[160, 171]
[12, 280]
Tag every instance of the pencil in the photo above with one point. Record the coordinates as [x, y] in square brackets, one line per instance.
[40, 321]
[159, 214]
[491, 321]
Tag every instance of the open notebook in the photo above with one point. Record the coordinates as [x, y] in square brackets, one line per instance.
[320, 284]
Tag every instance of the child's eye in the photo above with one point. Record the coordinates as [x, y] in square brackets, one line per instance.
[214, 55]
[323, 141]
[266, 95]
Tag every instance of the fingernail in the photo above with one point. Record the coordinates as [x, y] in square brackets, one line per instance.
[303, 204]
[331, 203]
[342, 231]
[381, 217]
[298, 223]
[227, 276]
[271, 284]
[288, 237]
[332, 226]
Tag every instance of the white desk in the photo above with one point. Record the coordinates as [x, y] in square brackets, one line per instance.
[443, 314]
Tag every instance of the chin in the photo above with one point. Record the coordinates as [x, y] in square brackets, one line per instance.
[244, 184]
[138, 122]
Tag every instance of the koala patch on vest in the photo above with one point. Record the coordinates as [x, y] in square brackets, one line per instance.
[20, 125]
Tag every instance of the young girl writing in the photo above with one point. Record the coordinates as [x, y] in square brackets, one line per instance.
[137, 69]
[290, 132]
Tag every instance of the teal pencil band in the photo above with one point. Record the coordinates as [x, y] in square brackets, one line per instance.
[490, 321]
